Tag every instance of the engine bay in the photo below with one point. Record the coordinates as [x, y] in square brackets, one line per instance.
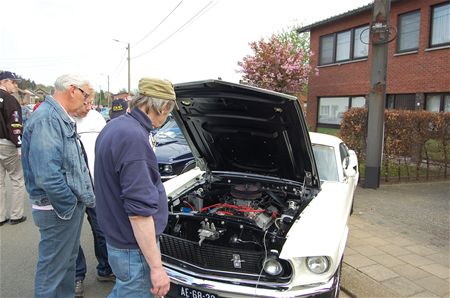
[229, 213]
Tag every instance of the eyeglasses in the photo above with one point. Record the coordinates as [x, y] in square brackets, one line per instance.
[85, 94]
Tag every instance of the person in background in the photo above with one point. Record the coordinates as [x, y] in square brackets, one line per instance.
[58, 183]
[10, 150]
[118, 108]
[132, 203]
[37, 105]
[89, 124]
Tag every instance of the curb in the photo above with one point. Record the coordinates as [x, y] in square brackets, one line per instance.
[356, 284]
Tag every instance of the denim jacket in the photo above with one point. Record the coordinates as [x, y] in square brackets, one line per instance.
[54, 169]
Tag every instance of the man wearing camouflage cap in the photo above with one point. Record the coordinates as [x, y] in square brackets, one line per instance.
[131, 200]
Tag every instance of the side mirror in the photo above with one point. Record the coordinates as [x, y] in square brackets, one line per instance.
[350, 164]
[349, 172]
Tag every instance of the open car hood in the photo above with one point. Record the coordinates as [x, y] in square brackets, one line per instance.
[239, 128]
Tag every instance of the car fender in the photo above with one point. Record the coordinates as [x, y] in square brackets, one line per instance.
[321, 229]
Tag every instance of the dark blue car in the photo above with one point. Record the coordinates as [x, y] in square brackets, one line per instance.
[172, 151]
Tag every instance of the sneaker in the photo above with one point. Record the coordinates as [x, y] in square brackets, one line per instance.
[79, 288]
[17, 221]
[3, 222]
[104, 278]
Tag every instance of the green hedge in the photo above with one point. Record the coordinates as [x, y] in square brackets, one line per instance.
[416, 143]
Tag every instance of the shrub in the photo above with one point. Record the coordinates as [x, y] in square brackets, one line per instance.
[416, 143]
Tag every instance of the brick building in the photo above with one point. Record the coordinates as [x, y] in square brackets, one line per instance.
[418, 66]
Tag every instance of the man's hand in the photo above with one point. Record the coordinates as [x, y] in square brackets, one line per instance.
[160, 282]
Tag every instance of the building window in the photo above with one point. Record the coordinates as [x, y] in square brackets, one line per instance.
[438, 102]
[343, 46]
[408, 31]
[360, 42]
[326, 49]
[332, 109]
[401, 101]
[440, 25]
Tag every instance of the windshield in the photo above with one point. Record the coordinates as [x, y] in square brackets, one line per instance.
[169, 130]
[326, 162]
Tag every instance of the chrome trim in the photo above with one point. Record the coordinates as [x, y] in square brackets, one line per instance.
[233, 290]
[168, 177]
[223, 278]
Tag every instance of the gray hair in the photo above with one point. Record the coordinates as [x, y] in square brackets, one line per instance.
[65, 81]
[151, 103]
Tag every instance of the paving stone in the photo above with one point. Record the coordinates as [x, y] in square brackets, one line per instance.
[378, 272]
[415, 260]
[403, 286]
[438, 270]
[440, 258]
[350, 251]
[359, 234]
[410, 272]
[358, 261]
[358, 284]
[421, 250]
[394, 250]
[425, 294]
[376, 241]
[435, 285]
[387, 260]
[368, 250]
[400, 241]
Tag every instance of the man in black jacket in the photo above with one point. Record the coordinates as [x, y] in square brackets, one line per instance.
[10, 143]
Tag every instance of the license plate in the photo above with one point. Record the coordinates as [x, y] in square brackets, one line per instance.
[187, 292]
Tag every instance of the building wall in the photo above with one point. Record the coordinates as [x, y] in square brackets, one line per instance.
[423, 71]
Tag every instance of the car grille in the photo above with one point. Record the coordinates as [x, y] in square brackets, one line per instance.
[210, 257]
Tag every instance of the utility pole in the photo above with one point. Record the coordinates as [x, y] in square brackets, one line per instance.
[109, 94]
[129, 73]
[129, 63]
[375, 127]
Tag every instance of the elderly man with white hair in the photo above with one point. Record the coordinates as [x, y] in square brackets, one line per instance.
[57, 180]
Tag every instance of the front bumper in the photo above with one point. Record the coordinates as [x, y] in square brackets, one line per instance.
[233, 290]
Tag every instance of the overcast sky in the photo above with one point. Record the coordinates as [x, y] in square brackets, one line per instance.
[201, 39]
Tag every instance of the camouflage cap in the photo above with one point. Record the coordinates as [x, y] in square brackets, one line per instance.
[156, 88]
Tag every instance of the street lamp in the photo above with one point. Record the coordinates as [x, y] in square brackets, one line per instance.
[128, 48]
[109, 94]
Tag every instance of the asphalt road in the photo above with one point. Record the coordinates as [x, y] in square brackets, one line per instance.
[419, 210]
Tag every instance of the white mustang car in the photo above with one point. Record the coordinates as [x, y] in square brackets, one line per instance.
[265, 212]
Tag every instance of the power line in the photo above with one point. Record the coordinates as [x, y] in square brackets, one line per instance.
[158, 24]
[175, 32]
[115, 73]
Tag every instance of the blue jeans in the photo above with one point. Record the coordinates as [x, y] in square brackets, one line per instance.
[132, 273]
[101, 253]
[58, 249]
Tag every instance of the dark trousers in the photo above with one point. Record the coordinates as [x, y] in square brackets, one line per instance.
[101, 252]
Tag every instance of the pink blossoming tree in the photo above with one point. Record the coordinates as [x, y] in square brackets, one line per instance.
[280, 63]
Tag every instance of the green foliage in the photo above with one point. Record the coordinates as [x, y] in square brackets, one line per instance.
[328, 131]
[299, 41]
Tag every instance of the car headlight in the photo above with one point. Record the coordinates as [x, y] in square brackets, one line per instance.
[167, 169]
[317, 265]
[272, 266]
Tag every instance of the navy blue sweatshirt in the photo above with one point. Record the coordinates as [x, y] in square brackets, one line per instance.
[127, 180]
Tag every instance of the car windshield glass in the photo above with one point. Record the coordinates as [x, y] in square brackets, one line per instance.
[326, 162]
[170, 130]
